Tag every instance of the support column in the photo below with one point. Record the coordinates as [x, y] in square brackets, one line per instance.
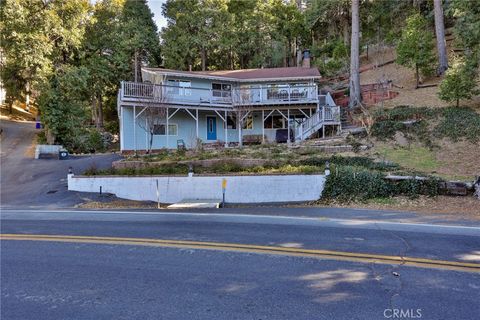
[226, 130]
[166, 130]
[288, 127]
[147, 129]
[239, 126]
[263, 126]
[196, 123]
[135, 129]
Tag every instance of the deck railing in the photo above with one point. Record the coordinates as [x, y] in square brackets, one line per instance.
[252, 95]
[326, 114]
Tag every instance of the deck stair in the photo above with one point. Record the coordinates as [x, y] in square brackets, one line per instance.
[326, 115]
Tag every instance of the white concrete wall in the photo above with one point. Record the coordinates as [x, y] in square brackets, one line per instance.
[240, 189]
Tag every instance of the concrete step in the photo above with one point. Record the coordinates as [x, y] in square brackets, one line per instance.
[196, 204]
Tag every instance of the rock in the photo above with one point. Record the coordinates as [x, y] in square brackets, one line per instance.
[400, 139]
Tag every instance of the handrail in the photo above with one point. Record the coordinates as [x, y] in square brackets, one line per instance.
[316, 121]
[255, 94]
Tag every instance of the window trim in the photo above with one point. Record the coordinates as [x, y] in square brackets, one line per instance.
[179, 90]
[170, 124]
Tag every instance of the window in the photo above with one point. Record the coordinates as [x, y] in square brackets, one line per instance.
[275, 122]
[159, 129]
[277, 92]
[298, 90]
[248, 122]
[231, 122]
[179, 87]
[221, 90]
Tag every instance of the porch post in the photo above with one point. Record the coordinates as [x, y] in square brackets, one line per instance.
[146, 134]
[263, 126]
[240, 143]
[288, 126]
[226, 131]
[196, 123]
[135, 129]
[166, 130]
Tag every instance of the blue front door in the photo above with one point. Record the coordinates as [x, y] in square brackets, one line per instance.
[211, 128]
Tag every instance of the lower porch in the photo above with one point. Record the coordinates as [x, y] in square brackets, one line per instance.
[190, 127]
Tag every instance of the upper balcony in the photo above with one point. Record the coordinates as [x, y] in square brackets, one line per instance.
[245, 95]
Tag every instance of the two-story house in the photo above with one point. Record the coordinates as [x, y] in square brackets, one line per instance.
[227, 107]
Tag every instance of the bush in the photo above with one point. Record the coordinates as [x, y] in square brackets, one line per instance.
[348, 183]
[459, 123]
[360, 162]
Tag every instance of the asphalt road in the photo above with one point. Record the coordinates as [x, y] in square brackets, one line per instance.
[108, 280]
[28, 182]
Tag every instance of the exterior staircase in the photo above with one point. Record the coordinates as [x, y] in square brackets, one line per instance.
[326, 115]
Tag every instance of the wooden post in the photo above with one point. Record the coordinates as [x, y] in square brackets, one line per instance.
[135, 129]
[263, 126]
[166, 130]
[196, 123]
[288, 126]
[226, 130]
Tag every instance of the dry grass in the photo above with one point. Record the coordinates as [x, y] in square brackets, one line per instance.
[120, 204]
[449, 207]
[405, 78]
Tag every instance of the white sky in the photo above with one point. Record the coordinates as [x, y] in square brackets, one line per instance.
[156, 7]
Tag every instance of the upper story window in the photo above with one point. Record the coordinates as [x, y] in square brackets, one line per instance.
[291, 91]
[179, 87]
[221, 90]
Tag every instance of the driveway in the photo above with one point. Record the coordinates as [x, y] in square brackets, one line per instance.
[26, 182]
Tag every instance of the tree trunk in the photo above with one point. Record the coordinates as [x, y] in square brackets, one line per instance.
[151, 142]
[99, 119]
[27, 96]
[346, 31]
[417, 76]
[440, 33]
[136, 66]
[355, 93]
[203, 56]
[458, 102]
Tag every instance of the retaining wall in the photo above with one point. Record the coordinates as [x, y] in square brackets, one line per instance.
[172, 189]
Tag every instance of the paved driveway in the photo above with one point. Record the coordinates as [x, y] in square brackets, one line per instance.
[26, 182]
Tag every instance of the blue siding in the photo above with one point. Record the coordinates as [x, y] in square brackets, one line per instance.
[185, 130]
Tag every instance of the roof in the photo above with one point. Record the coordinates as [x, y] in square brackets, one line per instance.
[265, 74]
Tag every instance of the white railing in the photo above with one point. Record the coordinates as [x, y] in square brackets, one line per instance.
[252, 95]
[275, 94]
[325, 115]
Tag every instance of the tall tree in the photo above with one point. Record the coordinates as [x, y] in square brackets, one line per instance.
[355, 92]
[139, 36]
[440, 34]
[415, 48]
[26, 45]
[459, 83]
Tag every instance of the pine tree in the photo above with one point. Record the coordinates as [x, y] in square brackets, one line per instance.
[355, 93]
[459, 83]
[415, 48]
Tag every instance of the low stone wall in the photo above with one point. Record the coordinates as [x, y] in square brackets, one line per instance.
[172, 189]
[208, 163]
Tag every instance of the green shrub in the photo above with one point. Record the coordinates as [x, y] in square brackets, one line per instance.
[459, 123]
[348, 183]
[361, 162]
[351, 183]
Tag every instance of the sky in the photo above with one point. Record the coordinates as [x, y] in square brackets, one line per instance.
[156, 7]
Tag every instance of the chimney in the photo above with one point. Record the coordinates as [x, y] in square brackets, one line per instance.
[306, 58]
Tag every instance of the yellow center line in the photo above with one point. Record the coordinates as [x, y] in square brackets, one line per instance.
[237, 247]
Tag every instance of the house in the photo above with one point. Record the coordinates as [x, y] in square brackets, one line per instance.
[223, 107]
